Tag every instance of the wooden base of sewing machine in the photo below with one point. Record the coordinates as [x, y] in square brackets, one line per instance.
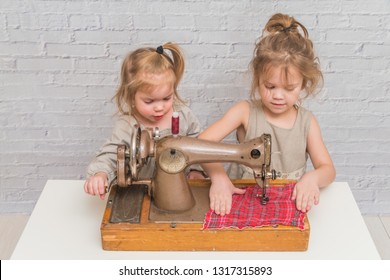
[148, 229]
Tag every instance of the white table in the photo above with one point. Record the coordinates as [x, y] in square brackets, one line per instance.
[65, 224]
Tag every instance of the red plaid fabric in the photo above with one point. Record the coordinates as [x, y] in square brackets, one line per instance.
[247, 210]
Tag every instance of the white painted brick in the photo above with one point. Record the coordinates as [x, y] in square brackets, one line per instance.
[67, 171]
[19, 92]
[7, 64]
[43, 21]
[99, 36]
[12, 6]
[80, 50]
[382, 134]
[85, 79]
[177, 7]
[12, 20]
[364, 195]
[303, 7]
[383, 197]
[41, 7]
[44, 64]
[385, 22]
[344, 49]
[179, 22]
[381, 169]
[100, 92]
[354, 35]
[83, 22]
[242, 22]
[380, 106]
[126, 7]
[229, 7]
[98, 65]
[157, 37]
[376, 50]
[368, 158]
[15, 78]
[32, 36]
[365, 21]
[57, 36]
[19, 49]
[364, 7]
[209, 51]
[203, 22]
[32, 134]
[23, 170]
[2, 20]
[117, 50]
[225, 37]
[116, 22]
[3, 35]
[357, 64]
[86, 133]
[337, 21]
[147, 21]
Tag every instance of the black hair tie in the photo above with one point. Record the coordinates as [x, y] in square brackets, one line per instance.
[160, 49]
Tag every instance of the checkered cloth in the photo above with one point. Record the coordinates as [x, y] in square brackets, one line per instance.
[247, 210]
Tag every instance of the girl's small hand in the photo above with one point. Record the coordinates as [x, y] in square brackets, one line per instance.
[194, 174]
[221, 196]
[306, 193]
[96, 185]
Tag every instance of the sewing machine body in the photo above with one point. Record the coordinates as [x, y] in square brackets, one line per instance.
[167, 212]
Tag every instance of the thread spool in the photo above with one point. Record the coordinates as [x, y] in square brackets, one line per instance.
[175, 124]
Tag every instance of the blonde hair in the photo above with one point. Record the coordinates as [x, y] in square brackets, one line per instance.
[148, 61]
[285, 42]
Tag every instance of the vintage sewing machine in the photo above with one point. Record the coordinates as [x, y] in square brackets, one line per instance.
[167, 212]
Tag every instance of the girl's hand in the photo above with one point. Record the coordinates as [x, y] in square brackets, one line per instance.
[96, 185]
[194, 174]
[306, 193]
[221, 195]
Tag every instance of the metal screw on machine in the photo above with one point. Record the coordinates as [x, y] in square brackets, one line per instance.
[255, 153]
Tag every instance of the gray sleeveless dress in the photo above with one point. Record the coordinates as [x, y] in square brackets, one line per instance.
[289, 153]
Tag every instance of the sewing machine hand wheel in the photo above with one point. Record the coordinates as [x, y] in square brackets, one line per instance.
[135, 154]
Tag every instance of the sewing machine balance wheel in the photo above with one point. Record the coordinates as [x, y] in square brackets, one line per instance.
[135, 153]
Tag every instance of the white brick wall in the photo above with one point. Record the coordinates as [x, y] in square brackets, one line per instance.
[60, 60]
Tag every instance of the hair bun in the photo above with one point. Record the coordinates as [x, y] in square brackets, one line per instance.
[284, 23]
